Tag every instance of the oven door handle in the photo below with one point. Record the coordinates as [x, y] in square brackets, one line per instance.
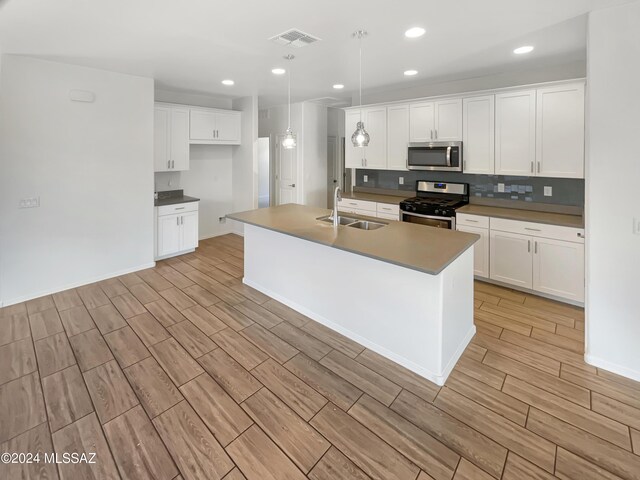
[448, 219]
[448, 156]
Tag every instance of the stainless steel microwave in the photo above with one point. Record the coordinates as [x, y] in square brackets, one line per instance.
[441, 156]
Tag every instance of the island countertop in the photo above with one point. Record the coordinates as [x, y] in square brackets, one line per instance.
[426, 249]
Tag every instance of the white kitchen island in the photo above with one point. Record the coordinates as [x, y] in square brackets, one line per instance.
[404, 291]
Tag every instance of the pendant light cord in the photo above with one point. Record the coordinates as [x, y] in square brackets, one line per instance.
[289, 99]
[360, 35]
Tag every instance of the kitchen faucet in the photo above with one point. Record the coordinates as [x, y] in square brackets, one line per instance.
[337, 196]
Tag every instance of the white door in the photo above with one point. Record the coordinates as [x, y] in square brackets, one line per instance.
[189, 230]
[510, 258]
[161, 141]
[480, 250]
[228, 127]
[179, 145]
[333, 169]
[515, 133]
[560, 131]
[421, 122]
[203, 125]
[478, 134]
[353, 156]
[375, 154]
[558, 268]
[397, 137]
[448, 120]
[169, 234]
[286, 173]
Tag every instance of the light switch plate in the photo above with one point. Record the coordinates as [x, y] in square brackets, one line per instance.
[400, 180]
[548, 191]
[501, 188]
[366, 178]
[32, 202]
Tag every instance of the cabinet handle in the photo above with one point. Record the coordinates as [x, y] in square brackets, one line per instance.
[181, 220]
[580, 235]
[180, 208]
[535, 247]
[436, 134]
[464, 164]
[431, 134]
[532, 229]
[472, 221]
[529, 246]
[173, 164]
[531, 167]
[538, 167]
[168, 164]
[178, 221]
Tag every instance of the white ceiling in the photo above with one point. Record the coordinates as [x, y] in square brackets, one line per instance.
[191, 45]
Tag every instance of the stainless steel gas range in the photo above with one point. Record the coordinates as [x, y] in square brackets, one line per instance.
[435, 204]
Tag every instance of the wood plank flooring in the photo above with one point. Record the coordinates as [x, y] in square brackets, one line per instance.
[183, 372]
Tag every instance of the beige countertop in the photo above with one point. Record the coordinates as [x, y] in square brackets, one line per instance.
[561, 219]
[375, 197]
[426, 249]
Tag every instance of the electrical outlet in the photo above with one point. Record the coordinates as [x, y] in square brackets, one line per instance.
[366, 178]
[548, 191]
[32, 202]
[222, 219]
[501, 188]
[400, 180]
[636, 225]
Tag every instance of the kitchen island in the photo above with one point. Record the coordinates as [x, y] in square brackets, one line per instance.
[403, 290]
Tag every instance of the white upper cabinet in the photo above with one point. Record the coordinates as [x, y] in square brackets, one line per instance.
[515, 135]
[353, 156]
[397, 137]
[171, 138]
[560, 131]
[421, 122]
[478, 134]
[375, 154]
[215, 126]
[448, 120]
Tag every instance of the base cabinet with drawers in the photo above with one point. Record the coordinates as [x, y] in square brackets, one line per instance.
[546, 259]
[176, 229]
[368, 208]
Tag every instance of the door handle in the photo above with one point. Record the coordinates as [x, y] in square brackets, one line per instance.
[529, 246]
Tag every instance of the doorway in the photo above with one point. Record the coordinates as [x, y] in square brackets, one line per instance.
[264, 172]
[335, 166]
[286, 173]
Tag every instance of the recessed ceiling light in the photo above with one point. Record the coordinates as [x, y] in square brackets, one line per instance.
[278, 71]
[338, 86]
[521, 50]
[410, 73]
[414, 32]
[228, 82]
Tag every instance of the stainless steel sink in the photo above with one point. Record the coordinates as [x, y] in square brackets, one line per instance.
[342, 220]
[367, 225]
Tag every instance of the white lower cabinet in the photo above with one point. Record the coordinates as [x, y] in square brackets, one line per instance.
[510, 259]
[177, 229]
[480, 250]
[558, 268]
[368, 208]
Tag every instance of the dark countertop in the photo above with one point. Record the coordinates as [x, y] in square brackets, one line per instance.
[172, 197]
[425, 249]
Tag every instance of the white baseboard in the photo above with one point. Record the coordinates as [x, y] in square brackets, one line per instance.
[77, 284]
[528, 290]
[459, 351]
[612, 367]
[423, 372]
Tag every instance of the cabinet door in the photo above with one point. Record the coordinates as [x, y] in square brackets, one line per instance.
[448, 120]
[397, 137]
[421, 122]
[478, 134]
[179, 145]
[228, 127]
[515, 133]
[169, 234]
[353, 156]
[202, 125]
[375, 154]
[558, 268]
[560, 131]
[480, 250]
[189, 230]
[510, 258]
[161, 141]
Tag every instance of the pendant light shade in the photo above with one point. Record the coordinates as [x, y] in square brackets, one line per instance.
[360, 137]
[289, 141]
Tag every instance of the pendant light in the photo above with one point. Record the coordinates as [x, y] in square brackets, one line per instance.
[360, 137]
[289, 141]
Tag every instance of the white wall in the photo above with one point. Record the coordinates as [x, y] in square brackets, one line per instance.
[264, 172]
[245, 160]
[91, 164]
[613, 177]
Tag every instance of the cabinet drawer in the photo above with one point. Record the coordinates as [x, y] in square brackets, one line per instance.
[472, 220]
[177, 208]
[357, 204]
[556, 232]
[388, 209]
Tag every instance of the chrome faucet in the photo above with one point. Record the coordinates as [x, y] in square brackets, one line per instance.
[337, 196]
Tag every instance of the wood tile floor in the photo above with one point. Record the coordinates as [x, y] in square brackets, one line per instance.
[181, 371]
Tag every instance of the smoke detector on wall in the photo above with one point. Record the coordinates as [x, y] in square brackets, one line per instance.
[294, 38]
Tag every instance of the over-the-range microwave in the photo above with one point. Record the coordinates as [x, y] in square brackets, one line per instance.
[441, 156]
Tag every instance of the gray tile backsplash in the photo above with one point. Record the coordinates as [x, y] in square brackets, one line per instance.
[565, 191]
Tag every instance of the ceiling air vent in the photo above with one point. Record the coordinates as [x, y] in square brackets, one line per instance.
[295, 38]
